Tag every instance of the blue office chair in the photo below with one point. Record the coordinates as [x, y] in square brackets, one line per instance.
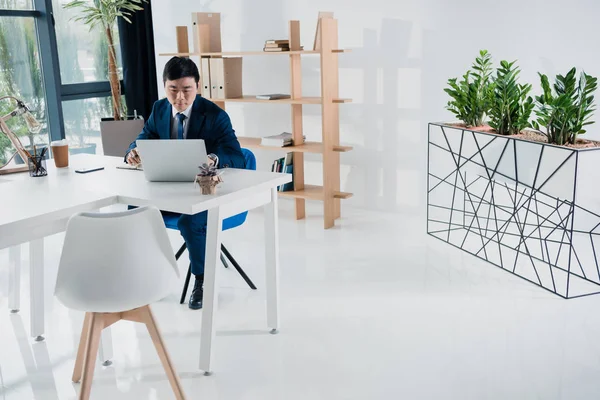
[228, 223]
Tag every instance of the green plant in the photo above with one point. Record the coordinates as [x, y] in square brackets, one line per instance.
[471, 97]
[104, 13]
[564, 113]
[510, 106]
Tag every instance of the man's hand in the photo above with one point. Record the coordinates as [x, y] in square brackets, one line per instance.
[133, 158]
[212, 159]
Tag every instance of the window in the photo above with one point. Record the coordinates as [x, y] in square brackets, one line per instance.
[82, 123]
[21, 77]
[16, 4]
[83, 57]
[43, 47]
[83, 54]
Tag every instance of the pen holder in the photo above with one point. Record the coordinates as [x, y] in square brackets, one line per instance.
[37, 166]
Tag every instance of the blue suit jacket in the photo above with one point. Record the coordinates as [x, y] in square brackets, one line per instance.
[207, 121]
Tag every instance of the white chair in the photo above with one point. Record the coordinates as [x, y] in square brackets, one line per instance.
[113, 265]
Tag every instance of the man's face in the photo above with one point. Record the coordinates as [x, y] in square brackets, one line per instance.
[181, 92]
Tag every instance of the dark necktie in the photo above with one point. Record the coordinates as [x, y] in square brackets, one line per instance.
[180, 118]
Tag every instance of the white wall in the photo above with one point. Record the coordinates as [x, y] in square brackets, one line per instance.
[403, 53]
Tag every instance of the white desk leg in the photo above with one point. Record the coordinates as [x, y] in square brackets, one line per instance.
[272, 262]
[36, 280]
[14, 279]
[210, 301]
[106, 348]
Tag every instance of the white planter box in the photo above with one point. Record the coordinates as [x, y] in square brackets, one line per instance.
[527, 207]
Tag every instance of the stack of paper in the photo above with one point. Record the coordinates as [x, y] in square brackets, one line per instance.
[281, 140]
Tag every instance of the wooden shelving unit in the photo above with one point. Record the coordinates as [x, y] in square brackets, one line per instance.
[329, 147]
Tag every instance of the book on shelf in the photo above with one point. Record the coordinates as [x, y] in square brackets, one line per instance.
[273, 96]
[278, 45]
[284, 165]
[275, 49]
[282, 140]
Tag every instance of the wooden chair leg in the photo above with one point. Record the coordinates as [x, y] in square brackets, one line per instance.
[78, 369]
[89, 342]
[91, 351]
[150, 322]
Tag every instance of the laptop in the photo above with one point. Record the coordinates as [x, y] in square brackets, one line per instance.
[171, 160]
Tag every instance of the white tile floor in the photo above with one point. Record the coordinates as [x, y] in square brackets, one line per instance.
[372, 309]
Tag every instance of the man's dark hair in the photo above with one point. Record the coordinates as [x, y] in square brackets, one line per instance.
[180, 67]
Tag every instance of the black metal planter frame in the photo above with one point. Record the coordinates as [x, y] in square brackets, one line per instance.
[515, 204]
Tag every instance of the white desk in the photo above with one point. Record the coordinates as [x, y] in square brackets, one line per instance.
[32, 208]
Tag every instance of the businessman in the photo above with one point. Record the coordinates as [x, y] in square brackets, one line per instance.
[186, 115]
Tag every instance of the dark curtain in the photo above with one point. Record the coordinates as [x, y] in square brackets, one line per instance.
[139, 66]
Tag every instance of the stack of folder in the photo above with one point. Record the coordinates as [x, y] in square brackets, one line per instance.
[221, 77]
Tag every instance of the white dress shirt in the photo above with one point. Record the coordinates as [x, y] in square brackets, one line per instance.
[174, 122]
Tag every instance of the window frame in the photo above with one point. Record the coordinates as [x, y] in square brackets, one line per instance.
[56, 92]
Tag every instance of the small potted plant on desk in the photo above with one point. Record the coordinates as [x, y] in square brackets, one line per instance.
[208, 178]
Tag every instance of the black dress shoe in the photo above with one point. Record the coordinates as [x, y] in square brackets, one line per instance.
[197, 293]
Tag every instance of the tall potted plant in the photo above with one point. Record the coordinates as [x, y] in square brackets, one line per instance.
[103, 14]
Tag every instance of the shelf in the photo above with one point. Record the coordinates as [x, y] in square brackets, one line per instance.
[301, 100]
[313, 192]
[342, 149]
[306, 147]
[250, 53]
